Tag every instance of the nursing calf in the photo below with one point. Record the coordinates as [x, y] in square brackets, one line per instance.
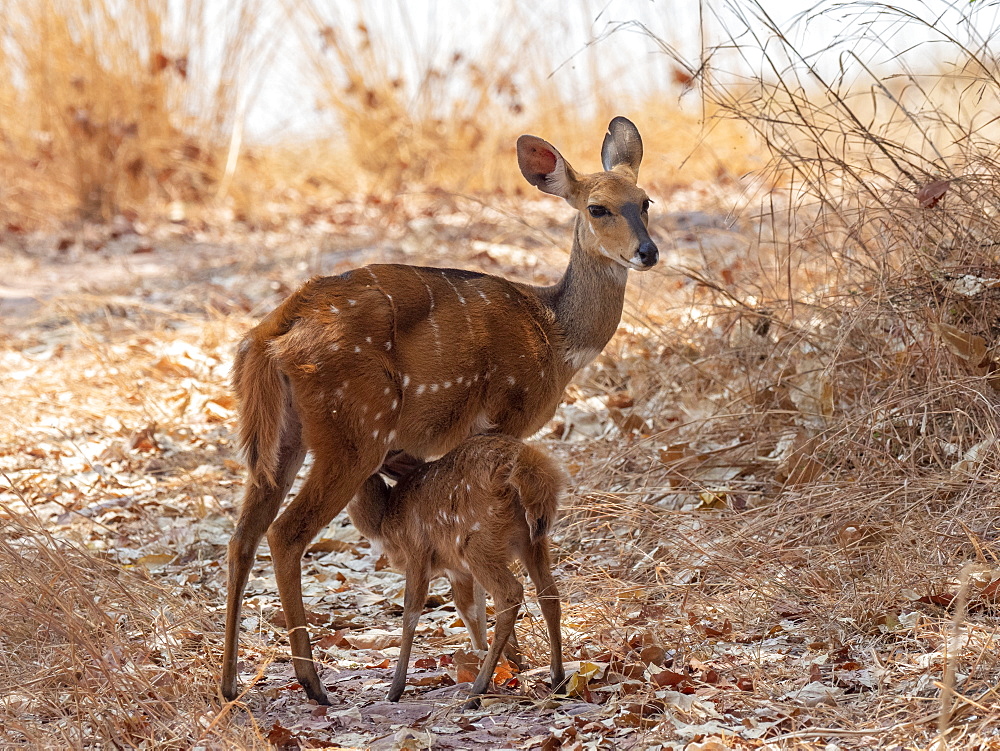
[468, 515]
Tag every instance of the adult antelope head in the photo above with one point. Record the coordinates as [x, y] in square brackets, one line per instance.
[614, 211]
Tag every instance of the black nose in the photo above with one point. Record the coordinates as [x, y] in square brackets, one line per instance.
[648, 253]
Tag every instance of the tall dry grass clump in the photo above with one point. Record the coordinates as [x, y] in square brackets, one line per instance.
[404, 116]
[884, 268]
[824, 410]
[113, 106]
[98, 656]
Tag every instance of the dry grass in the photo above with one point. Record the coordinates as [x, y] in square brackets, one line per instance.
[119, 107]
[826, 417]
[97, 655]
[785, 462]
[141, 111]
[451, 125]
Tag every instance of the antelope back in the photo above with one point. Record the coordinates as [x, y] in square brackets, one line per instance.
[416, 359]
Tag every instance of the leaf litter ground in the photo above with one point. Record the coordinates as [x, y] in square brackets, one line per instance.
[723, 587]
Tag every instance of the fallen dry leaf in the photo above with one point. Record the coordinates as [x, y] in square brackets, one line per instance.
[929, 195]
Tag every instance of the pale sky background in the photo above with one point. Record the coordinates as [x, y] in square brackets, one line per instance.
[583, 33]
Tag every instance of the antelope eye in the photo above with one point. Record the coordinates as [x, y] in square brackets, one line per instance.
[645, 206]
[598, 211]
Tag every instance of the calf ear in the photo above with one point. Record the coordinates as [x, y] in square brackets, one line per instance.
[544, 167]
[622, 149]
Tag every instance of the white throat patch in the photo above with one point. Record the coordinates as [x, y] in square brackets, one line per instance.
[578, 358]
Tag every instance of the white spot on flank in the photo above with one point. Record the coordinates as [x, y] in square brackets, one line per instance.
[378, 416]
[459, 379]
[434, 387]
[468, 487]
[447, 384]
[368, 339]
[420, 389]
[335, 347]
[406, 381]
[375, 434]
[352, 302]
[392, 434]
[357, 348]
[387, 390]
[511, 380]
[458, 539]
[475, 527]
[395, 403]
[334, 309]
[437, 331]
[388, 346]
[483, 295]
[468, 320]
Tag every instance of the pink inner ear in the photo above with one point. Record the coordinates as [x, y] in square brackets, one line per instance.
[542, 160]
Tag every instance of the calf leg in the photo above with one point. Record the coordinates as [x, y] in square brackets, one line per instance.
[536, 561]
[414, 599]
[470, 602]
[512, 652]
[507, 595]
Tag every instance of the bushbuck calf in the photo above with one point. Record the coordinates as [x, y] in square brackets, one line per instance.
[389, 359]
[468, 515]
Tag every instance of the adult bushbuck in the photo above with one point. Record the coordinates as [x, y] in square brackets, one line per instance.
[396, 358]
[468, 515]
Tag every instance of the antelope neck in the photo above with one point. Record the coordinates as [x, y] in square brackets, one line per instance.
[588, 300]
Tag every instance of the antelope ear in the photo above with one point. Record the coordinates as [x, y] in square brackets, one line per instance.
[544, 167]
[622, 149]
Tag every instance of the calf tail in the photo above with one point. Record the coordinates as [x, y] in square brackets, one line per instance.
[539, 483]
